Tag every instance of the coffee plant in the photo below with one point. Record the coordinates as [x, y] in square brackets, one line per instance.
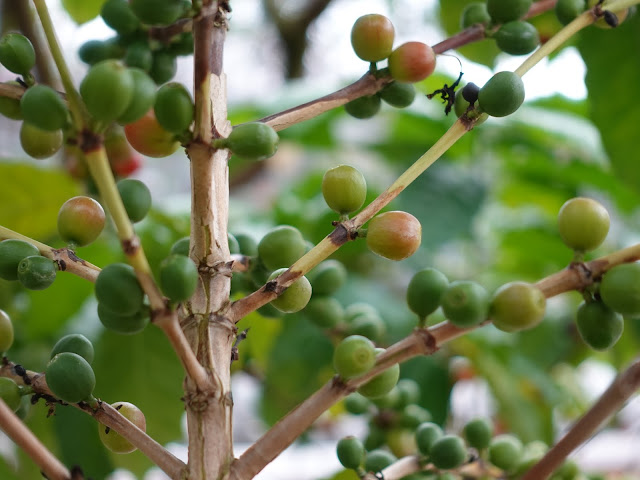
[361, 254]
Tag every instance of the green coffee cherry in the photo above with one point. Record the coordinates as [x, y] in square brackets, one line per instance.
[356, 404]
[10, 393]
[17, 54]
[42, 106]
[113, 440]
[378, 460]
[10, 107]
[517, 306]
[568, 10]
[95, 51]
[142, 99]
[6, 332]
[178, 277]
[426, 435]
[70, 377]
[363, 107]
[107, 90]
[465, 303]
[620, 289]
[408, 392]
[248, 246]
[327, 277]
[80, 220]
[583, 223]
[372, 37]
[353, 356]
[359, 308]
[74, 343]
[174, 107]
[398, 94]
[181, 247]
[473, 13]
[425, 291]
[344, 189]
[119, 16]
[350, 452]
[38, 143]
[183, 44]
[295, 297]
[517, 38]
[157, 12]
[370, 326]
[12, 252]
[478, 433]
[382, 383]
[136, 198]
[325, 312]
[599, 326]
[281, 247]
[505, 452]
[502, 94]
[36, 272]
[502, 11]
[118, 289]
[163, 67]
[414, 415]
[123, 324]
[253, 141]
[139, 55]
[448, 452]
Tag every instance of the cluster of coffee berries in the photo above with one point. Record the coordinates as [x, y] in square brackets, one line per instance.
[134, 42]
[69, 374]
[372, 40]
[20, 260]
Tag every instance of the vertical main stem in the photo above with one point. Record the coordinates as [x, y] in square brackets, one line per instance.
[211, 335]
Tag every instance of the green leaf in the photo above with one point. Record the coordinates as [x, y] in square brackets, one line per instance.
[83, 10]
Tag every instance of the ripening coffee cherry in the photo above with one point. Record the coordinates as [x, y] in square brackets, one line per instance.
[16, 53]
[136, 198]
[163, 67]
[502, 11]
[253, 141]
[478, 433]
[599, 326]
[398, 94]
[119, 16]
[583, 223]
[6, 332]
[74, 343]
[118, 289]
[113, 440]
[350, 452]
[382, 383]
[448, 452]
[425, 291]
[620, 289]
[80, 220]
[394, 235]
[353, 356]
[505, 452]
[502, 94]
[344, 189]
[372, 37]
[12, 252]
[412, 62]
[517, 37]
[426, 434]
[38, 143]
[146, 136]
[327, 277]
[70, 377]
[42, 106]
[378, 460]
[36, 272]
[473, 13]
[10, 393]
[157, 12]
[123, 159]
[281, 247]
[178, 277]
[143, 98]
[568, 10]
[174, 107]
[295, 297]
[325, 312]
[363, 107]
[465, 303]
[107, 90]
[517, 306]
[123, 324]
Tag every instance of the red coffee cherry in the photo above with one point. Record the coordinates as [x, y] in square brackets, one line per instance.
[394, 235]
[149, 138]
[412, 62]
[80, 220]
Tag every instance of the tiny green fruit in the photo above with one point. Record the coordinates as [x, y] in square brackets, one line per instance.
[12, 252]
[138, 55]
[107, 90]
[70, 377]
[143, 98]
[398, 94]
[368, 325]
[426, 435]
[356, 404]
[253, 141]
[382, 383]
[478, 433]
[413, 415]
[505, 452]
[119, 16]
[363, 107]
[378, 460]
[39, 143]
[599, 326]
[123, 324]
[80, 220]
[295, 297]
[174, 107]
[350, 452]
[502, 11]
[327, 277]
[425, 291]
[372, 37]
[394, 235]
[344, 189]
[517, 37]
[17, 53]
[353, 356]
[36, 272]
[473, 13]
[517, 306]
[118, 289]
[568, 10]
[583, 223]
[42, 106]
[281, 247]
[163, 67]
[10, 393]
[74, 343]
[325, 312]
[448, 452]
[502, 94]
[6, 332]
[178, 277]
[136, 198]
[181, 247]
[157, 12]
[465, 303]
[620, 289]
[412, 62]
[113, 440]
